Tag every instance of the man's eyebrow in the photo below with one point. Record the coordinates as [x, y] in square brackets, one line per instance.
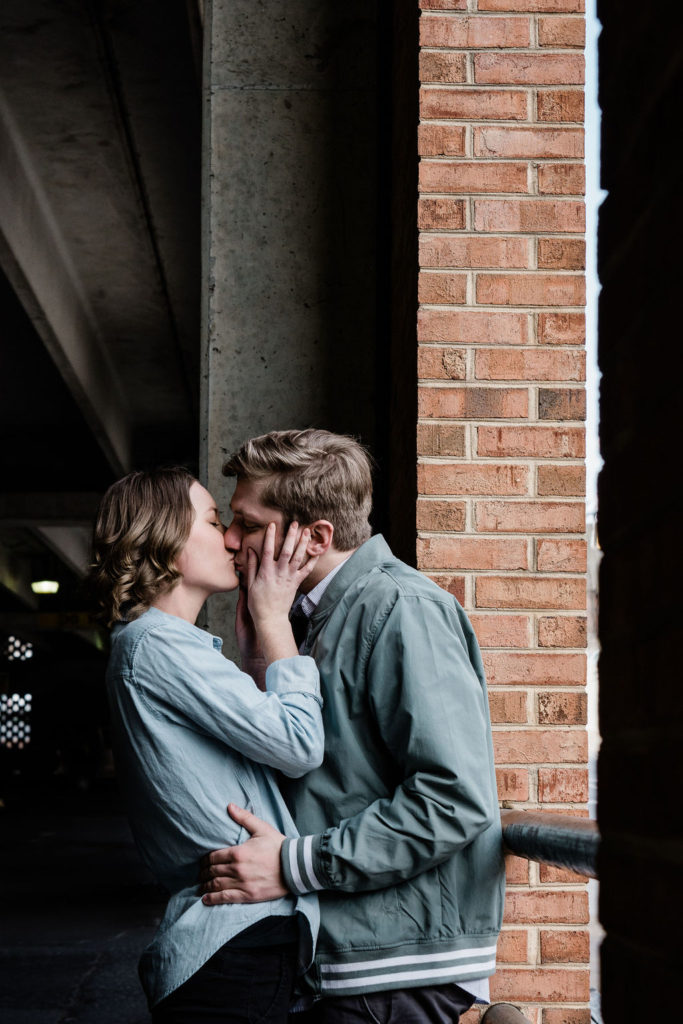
[245, 516]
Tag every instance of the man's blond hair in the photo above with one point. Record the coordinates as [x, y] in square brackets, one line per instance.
[309, 475]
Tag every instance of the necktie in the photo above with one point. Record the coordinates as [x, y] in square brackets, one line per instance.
[300, 623]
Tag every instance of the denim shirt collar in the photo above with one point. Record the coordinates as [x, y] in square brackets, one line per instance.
[153, 613]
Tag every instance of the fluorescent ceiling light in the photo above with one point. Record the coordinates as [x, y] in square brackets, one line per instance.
[45, 587]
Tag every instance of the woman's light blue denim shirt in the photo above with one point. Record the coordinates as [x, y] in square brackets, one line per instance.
[191, 734]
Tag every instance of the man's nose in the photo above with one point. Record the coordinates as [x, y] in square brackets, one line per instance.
[232, 538]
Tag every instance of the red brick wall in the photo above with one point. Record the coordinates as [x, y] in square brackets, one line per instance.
[500, 432]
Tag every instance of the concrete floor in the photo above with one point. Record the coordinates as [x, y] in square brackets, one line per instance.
[77, 909]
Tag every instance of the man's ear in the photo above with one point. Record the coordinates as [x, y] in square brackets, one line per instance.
[322, 535]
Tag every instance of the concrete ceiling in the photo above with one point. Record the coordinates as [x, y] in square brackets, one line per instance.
[100, 134]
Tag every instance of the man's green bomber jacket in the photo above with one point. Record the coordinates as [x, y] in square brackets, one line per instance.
[400, 825]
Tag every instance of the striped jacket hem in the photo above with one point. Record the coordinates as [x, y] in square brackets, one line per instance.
[357, 971]
[353, 977]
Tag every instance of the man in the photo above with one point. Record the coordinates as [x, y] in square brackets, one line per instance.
[400, 826]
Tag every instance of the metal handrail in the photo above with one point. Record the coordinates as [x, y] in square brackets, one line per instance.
[504, 1013]
[557, 839]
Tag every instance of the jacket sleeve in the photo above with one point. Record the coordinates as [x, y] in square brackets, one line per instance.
[427, 696]
[197, 687]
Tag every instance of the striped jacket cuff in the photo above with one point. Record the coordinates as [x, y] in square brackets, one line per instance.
[297, 866]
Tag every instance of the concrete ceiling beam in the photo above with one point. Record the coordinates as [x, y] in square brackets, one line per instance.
[71, 544]
[48, 508]
[38, 265]
[15, 576]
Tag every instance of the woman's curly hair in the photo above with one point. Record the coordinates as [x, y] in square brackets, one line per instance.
[143, 523]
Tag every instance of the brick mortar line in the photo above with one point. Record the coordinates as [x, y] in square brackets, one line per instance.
[564, 500]
[531, 571]
[503, 235]
[506, 536]
[571, 49]
[535, 886]
[571, 689]
[498, 161]
[467, 232]
[497, 122]
[515, 687]
[526, 650]
[533, 31]
[535, 535]
[530, 499]
[470, 436]
[502, 347]
[530, 272]
[505, 346]
[496, 384]
[502, 422]
[470, 287]
[551, 576]
[458, 307]
[569, 197]
[509, 197]
[470, 525]
[504, 86]
[498, 461]
[555, 688]
[516, 196]
[441, 12]
[493, 383]
[454, 233]
[559, 926]
[515, 460]
[534, 382]
[426, 268]
[550, 965]
[524, 495]
[430, 13]
[453, 159]
[530, 122]
[561, 501]
[527, 307]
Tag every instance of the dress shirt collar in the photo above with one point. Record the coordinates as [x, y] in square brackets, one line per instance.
[309, 602]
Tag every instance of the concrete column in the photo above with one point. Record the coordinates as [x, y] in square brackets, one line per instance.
[290, 224]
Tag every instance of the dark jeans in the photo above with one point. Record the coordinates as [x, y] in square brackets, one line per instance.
[236, 986]
[434, 1004]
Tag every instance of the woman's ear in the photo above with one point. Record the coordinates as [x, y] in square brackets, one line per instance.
[322, 534]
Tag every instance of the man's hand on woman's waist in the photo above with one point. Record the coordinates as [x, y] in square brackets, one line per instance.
[248, 873]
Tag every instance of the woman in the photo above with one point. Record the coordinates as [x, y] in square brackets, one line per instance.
[192, 733]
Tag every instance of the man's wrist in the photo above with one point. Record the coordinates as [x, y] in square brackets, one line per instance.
[277, 640]
[298, 868]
